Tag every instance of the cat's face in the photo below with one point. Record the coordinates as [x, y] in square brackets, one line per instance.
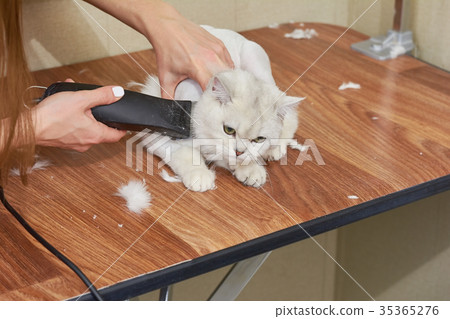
[238, 116]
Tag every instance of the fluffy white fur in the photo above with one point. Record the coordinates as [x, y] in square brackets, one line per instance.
[301, 34]
[349, 85]
[397, 50]
[171, 179]
[136, 195]
[39, 165]
[274, 25]
[238, 122]
[294, 145]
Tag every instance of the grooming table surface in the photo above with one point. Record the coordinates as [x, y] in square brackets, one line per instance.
[384, 145]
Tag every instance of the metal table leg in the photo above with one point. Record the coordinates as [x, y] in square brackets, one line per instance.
[237, 278]
[165, 293]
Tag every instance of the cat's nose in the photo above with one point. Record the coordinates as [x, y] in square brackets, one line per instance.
[239, 153]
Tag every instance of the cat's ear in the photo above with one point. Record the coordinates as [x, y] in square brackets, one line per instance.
[219, 91]
[287, 103]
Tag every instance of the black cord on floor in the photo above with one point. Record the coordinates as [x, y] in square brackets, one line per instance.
[47, 245]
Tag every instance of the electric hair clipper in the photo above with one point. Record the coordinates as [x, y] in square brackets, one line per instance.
[136, 111]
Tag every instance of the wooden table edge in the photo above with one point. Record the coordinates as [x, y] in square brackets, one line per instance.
[161, 278]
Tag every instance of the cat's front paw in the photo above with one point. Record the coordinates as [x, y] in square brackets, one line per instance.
[251, 175]
[199, 180]
[275, 153]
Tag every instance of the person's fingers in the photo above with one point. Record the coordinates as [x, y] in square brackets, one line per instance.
[203, 77]
[80, 148]
[69, 80]
[111, 135]
[168, 85]
[228, 60]
[167, 92]
[102, 96]
[219, 60]
[225, 56]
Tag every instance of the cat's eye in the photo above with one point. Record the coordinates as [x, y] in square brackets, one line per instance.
[259, 139]
[229, 130]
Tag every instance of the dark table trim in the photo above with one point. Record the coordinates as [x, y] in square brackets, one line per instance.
[161, 278]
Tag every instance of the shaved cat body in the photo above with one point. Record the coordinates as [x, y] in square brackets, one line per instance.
[241, 120]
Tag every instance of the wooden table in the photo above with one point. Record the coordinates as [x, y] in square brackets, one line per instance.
[384, 145]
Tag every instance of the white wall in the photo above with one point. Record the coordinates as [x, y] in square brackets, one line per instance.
[403, 254]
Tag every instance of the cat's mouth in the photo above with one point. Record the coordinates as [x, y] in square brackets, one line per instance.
[230, 154]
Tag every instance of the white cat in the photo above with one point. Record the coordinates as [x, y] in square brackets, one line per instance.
[240, 120]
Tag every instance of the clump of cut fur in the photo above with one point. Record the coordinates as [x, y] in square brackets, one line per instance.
[301, 34]
[349, 85]
[136, 195]
[39, 165]
[171, 179]
[296, 146]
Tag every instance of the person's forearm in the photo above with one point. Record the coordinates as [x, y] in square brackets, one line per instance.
[137, 13]
[182, 48]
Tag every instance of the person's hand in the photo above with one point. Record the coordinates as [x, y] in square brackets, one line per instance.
[65, 119]
[185, 50]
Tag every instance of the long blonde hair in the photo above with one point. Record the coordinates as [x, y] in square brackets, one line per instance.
[17, 139]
